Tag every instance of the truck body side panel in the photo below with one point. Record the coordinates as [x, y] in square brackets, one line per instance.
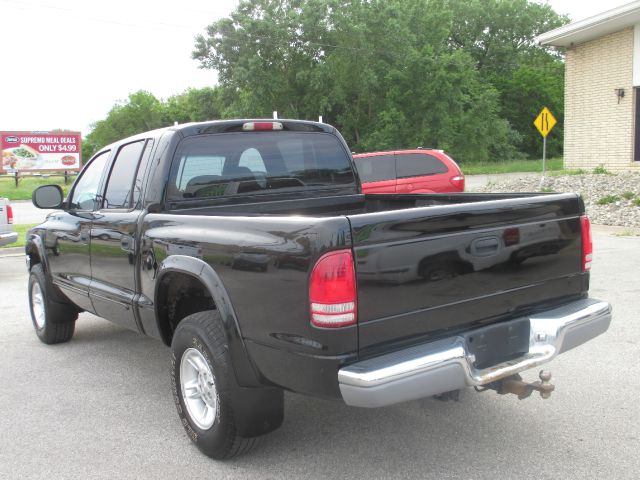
[263, 264]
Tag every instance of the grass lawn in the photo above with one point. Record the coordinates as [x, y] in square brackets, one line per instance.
[514, 166]
[27, 185]
[22, 233]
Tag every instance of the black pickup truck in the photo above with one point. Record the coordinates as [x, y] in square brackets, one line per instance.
[248, 247]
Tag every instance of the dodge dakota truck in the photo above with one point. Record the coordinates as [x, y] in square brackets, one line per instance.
[248, 248]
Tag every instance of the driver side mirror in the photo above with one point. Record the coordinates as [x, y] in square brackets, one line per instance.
[48, 196]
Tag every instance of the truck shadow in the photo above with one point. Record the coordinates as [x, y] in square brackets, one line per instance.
[324, 438]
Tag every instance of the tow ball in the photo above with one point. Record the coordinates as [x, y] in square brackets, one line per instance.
[515, 385]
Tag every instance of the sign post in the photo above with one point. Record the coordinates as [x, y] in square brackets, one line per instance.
[544, 123]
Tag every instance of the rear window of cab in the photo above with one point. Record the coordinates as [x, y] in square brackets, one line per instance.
[228, 164]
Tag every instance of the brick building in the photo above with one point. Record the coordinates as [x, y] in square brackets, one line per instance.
[602, 89]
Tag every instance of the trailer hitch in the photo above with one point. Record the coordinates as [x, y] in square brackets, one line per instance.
[515, 385]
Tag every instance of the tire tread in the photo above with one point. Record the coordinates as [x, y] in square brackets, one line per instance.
[209, 323]
[60, 318]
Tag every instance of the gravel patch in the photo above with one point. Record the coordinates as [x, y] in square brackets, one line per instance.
[609, 199]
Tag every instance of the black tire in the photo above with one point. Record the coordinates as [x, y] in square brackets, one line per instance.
[201, 335]
[53, 321]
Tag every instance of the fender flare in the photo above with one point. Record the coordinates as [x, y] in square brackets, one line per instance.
[34, 242]
[245, 371]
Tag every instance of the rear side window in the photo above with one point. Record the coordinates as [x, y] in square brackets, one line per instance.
[376, 168]
[244, 163]
[418, 165]
[120, 187]
[140, 175]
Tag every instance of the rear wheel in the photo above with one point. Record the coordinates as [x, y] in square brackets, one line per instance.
[221, 418]
[54, 322]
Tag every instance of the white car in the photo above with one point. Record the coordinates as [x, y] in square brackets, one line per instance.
[7, 235]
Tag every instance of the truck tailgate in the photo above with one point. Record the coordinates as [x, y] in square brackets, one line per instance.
[423, 272]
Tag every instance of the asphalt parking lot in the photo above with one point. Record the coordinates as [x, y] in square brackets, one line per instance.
[99, 407]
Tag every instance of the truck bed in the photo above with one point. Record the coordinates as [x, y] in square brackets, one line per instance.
[426, 266]
[299, 204]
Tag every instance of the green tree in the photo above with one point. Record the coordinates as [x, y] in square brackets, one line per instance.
[500, 34]
[381, 71]
[267, 52]
[500, 37]
[452, 108]
[195, 105]
[524, 93]
[462, 75]
[140, 113]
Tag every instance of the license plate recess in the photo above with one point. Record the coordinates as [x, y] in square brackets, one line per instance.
[498, 343]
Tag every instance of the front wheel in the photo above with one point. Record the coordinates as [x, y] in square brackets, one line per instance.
[54, 322]
[223, 419]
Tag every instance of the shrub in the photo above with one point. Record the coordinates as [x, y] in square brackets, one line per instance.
[600, 170]
[607, 199]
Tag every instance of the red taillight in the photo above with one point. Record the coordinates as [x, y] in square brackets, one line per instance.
[9, 214]
[458, 182]
[332, 290]
[261, 126]
[587, 243]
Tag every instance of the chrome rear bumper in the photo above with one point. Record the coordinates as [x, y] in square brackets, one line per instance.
[445, 365]
[8, 237]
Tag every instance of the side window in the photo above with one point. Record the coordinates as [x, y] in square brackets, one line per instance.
[377, 168]
[418, 165]
[137, 187]
[120, 184]
[85, 191]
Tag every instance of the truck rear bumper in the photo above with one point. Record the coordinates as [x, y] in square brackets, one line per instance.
[8, 237]
[448, 364]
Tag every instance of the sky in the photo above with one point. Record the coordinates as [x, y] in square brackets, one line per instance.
[65, 63]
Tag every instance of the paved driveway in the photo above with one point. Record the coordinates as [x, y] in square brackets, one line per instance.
[99, 407]
[25, 212]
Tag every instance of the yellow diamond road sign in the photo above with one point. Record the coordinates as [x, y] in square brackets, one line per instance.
[545, 122]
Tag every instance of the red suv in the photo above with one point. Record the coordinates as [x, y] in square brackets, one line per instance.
[409, 171]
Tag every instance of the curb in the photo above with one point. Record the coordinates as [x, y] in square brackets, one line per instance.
[12, 252]
[616, 230]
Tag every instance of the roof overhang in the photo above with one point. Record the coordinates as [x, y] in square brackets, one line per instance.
[594, 27]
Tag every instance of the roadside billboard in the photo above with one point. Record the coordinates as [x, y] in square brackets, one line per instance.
[40, 151]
